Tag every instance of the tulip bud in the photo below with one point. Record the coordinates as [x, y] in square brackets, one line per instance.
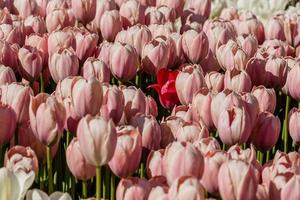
[24, 8]
[132, 12]
[85, 44]
[154, 164]
[189, 132]
[249, 44]
[9, 55]
[110, 24]
[57, 20]
[175, 4]
[276, 72]
[266, 131]
[31, 62]
[8, 123]
[154, 16]
[62, 64]
[266, 98]
[290, 191]
[256, 70]
[96, 68]
[133, 188]
[161, 29]
[101, 7]
[60, 40]
[12, 34]
[188, 82]
[214, 81]
[274, 29]
[292, 82]
[7, 75]
[87, 96]
[195, 45]
[124, 61]
[293, 123]
[104, 54]
[127, 156]
[200, 7]
[237, 184]
[34, 24]
[229, 14]
[100, 135]
[158, 192]
[182, 159]
[150, 130]
[206, 145]
[151, 107]
[77, 163]
[84, 10]
[237, 81]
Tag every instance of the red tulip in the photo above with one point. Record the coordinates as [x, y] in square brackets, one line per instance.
[165, 88]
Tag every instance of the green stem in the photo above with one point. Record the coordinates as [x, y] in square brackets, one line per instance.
[138, 80]
[112, 186]
[42, 83]
[268, 156]
[49, 168]
[106, 182]
[68, 138]
[285, 125]
[84, 189]
[98, 182]
[142, 169]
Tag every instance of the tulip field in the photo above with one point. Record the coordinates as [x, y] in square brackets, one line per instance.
[150, 99]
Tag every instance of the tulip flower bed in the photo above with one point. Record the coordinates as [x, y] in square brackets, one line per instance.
[149, 99]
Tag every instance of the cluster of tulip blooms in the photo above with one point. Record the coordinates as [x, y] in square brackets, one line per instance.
[147, 99]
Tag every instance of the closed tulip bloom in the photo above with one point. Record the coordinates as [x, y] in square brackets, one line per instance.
[266, 98]
[276, 72]
[9, 55]
[113, 103]
[60, 40]
[39, 42]
[200, 7]
[44, 106]
[151, 106]
[266, 131]
[155, 56]
[162, 29]
[24, 8]
[124, 61]
[238, 81]
[176, 47]
[10, 188]
[248, 43]
[292, 82]
[201, 107]
[190, 132]
[62, 64]
[21, 158]
[229, 14]
[100, 136]
[94, 67]
[188, 82]
[77, 163]
[169, 13]
[274, 29]
[149, 129]
[34, 24]
[256, 70]
[132, 12]
[57, 20]
[154, 16]
[17, 96]
[87, 96]
[294, 130]
[110, 24]
[231, 55]
[84, 10]
[104, 54]
[252, 106]
[237, 180]
[186, 187]
[8, 123]
[127, 156]
[213, 161]
[85, 44]
[31, 61]
[177, 5]
[205, 145]
[184, 112]
[234, 125]
[7, 75]
[158, 193]
[194, 45]
[154, 164]
[290, 191]
[12, 34]
[214, 81]
[182, 159]
[169, 128]
[133, 188]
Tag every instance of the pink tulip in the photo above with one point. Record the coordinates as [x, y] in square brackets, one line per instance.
[175, 4]
[77, 163]
[292, 82]
[186, 187]
[21, 158]
[169, 127]
[9, 55]
[155, 56]
[176, 50]
[290, 191]
[85, 44]
[238, 81]
[31, 62]
[158, 192]
[113, 103]
[248, 43]
[34, 24]
[40, 7]
[201, 107]
[41, 106]
[84, 10]
[110, 24]
[266, 98]
[277, 48]
[252, 106]
[192, 21]
[96, 68]
[162, 29]
[151, 107]
[195, 45]
[133, 188]
[57, 20]
[24, 8]
[127, 155]
[182, 159]
[154, 164]
[184, 112]
[266, 131]
[188, 82]
[18, 97]
[101, 138]
[72, 119]
[274, 29]
[214, 81]
[154, 16]
[237, 180]
[7, 75]
[229, 14]
[190, 132]
[87, 96]
[256, 70]
[169, 13]
[206, 145]
[276, 72]
[293, 124]
[231, 55]
[200, 7]
[124, 61]
[60, 40]
[212, 164]
[57, 4]
[132, 12]
[149, 129]
[8, 123]
[62, 64]
[104, 54]
[39, 42]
